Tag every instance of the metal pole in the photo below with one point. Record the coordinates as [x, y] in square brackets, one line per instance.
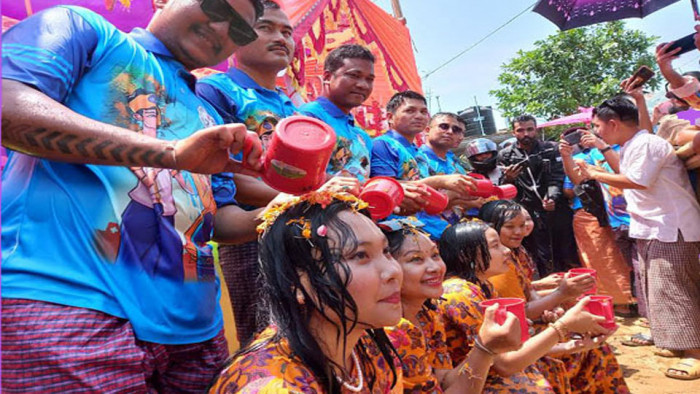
[478, 116]
[438, 103]
[396, 6]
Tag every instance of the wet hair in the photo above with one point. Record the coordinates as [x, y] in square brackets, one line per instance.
[336, 57]
[270, 5]
[618, 107]
[521, 119]
[498, 213]
[286, 256]
[465, 251]
[399, 98]
[452, 115]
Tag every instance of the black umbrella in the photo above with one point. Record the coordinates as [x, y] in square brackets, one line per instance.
[569, 14]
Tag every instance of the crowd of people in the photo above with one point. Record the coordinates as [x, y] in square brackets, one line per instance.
[106, 130]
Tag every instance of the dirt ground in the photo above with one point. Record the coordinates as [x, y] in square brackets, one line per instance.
[644, 371]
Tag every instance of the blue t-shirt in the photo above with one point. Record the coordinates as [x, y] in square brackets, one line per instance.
[93, 236]
[239, 99]
[436, 224]
[575, 201]
[394, 156]
[353, 146]
[615, 202]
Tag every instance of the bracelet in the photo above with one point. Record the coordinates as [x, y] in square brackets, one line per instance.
[561, 330]
[607, 148]
[482, 347]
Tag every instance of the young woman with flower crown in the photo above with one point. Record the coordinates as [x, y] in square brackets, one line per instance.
[419, 338]
[330, 285]
[472, 252]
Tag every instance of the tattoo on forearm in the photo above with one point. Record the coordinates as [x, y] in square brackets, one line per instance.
[37, 140]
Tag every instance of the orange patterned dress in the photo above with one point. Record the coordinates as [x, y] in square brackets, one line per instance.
[462, 316]
[271, 368]
[422, 349]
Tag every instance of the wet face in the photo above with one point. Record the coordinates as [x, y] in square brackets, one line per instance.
[192, 37]
[411, 117]
[350, 85]
[274, 48]
[445, 132]
[499, 254]
[423, 269]
[525, 132]
[375, 284]
[513, 232]
[529, 223]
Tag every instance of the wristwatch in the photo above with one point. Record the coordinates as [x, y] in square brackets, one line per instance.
[607, 148]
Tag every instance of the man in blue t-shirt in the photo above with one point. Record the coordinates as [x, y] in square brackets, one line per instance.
[396, 155]
[248, 94]
[445, 132]
[106, 211]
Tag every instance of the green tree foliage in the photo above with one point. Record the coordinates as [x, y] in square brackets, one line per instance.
[574, 68]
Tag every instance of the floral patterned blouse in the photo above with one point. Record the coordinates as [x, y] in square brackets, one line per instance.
[273, 369]
[422, 349]
[462, 316]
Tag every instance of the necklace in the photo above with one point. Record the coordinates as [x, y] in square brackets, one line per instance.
[360, 381]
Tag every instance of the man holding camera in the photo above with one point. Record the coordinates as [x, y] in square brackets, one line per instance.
[535, 168]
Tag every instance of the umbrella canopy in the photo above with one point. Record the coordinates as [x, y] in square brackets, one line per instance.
[569, 14]
[584, 116]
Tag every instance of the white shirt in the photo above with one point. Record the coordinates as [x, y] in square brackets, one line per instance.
[668, 203]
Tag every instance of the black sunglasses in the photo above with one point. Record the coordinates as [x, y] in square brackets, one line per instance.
[455, 129]
[238, 29]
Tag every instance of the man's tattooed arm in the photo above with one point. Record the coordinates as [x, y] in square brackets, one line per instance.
[35, 124]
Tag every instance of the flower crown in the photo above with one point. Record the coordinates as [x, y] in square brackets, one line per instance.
[322, 198]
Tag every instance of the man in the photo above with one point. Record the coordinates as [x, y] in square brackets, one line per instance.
[535, 168]
[482, 154]
[248, 94]
[348, 79]
[445, 132]
[90, 112]
[396, 155]
[664, 217]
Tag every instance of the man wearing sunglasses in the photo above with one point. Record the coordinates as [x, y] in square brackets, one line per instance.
[248, 94]
[86, 306]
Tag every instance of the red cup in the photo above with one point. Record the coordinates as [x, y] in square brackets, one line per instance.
[437, 202]
[484, 188]
[506, 192]
[251, 140]
[383, 194]
[515, 306]
[298, 154]
[602, 305]
[583, 271]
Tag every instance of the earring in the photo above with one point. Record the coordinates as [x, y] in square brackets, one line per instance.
[300, 297]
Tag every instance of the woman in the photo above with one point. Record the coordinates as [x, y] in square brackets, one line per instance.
[419, 337]
[329, 284]
[593, 370]
[472, 252]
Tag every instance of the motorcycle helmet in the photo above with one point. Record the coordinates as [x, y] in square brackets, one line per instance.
[479, 146]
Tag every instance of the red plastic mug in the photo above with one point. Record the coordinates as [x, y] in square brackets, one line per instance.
[383, 194]
[484, 188]
[583, 271]
[506, 192]
[437, 202]
[602, 305]
[298, 154]
[515, 306]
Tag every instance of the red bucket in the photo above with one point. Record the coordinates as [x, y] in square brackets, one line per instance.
[297, 157]
[602, 305]
[583, 271]
[484, 188]
[383, 194]
[514, 305]
[437, 202]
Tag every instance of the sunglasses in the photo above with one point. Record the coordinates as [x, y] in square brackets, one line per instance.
[455, 129]
[239, 30]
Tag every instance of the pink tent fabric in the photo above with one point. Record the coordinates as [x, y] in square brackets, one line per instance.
[584, 116]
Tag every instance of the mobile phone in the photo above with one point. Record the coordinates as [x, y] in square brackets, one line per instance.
[573, 138]
[641, 76]
[686, 44]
